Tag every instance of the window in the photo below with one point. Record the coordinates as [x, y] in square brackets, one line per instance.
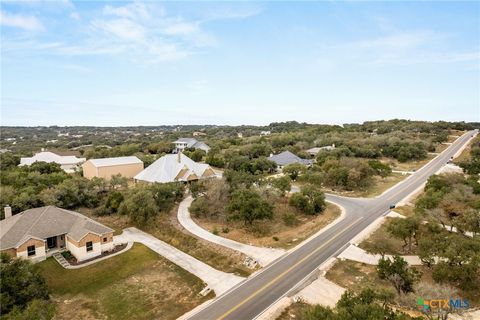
[89, 246]
[105, 239]
[31, 251]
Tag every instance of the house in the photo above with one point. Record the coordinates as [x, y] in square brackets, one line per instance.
[265, 133]
[199, 133]
[183, 143]
[286, 158]
[68, 163]
[38, 233]
[105, 168]
[316, 150]
[175, 167]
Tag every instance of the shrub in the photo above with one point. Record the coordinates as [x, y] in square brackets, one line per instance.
[290, 219]
[199, 207]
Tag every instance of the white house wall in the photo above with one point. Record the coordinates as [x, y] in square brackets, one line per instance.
[81, 252]
[40, 254]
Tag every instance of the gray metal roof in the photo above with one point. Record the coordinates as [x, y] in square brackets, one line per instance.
[286, 158]
[193, 143]
[168, 168]
[45, 222]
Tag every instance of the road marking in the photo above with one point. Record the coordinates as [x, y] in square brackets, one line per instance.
[223, 316]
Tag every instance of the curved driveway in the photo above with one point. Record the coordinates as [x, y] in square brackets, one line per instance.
[253, 296]
[263, 256]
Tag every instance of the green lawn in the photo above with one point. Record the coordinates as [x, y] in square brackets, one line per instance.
[137, 284]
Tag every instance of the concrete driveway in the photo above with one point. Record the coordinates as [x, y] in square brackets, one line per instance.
[216, 280]
[263, 256]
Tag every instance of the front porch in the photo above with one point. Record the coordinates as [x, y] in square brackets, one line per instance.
[54, 244]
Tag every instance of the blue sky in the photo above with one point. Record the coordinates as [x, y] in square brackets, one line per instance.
[150, 63]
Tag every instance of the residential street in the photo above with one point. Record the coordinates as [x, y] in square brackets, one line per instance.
[252, 297]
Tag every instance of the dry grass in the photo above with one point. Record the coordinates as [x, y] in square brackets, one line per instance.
[355, 276]
[166, 228]
[263, 232]
[138, 284]
[381, 239]
[379, 186]
[406, 210]
[409, 165]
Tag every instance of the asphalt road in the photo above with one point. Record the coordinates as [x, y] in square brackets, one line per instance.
[251, 297]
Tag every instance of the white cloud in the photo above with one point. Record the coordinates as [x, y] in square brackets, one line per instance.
[121, 28]
[133, 10]
[405, 40]
[138, 32]
[29, 23]
[181, 28]
[75, 16]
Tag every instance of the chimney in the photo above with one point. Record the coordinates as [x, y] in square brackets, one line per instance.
[179, 156]
[8, 211]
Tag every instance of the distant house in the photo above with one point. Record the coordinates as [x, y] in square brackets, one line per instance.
[67, 163]
[175, 167]
[183, 143]
[286, 158]
[37, 233]
[239, 135]
[316, 150]
[199, 133]
[105, 168]
[265, 133]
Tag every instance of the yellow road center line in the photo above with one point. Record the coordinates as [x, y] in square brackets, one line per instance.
[286, 271]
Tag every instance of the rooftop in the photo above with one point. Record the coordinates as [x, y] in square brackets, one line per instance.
[44, 222]
[106, 162]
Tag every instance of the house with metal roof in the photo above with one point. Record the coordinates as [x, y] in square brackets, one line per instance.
[37, 233]
[105, 168]
[315, 150]
[184, 143]
[286, 158]
[67, 163]
[175, 167]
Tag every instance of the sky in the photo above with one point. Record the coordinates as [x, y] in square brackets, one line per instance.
[230, 63]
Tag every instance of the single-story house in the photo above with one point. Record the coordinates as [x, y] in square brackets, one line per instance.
[314, 151]
[199, 133]
[105, 168]
[37, 233]
[183, 143]
[286, 158]
[175, 167]
[67, 163]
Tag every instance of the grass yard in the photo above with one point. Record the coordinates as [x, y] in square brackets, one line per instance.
[137, 284]
[275, 232]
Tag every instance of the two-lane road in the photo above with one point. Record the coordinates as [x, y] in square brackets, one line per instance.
[251, 297]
